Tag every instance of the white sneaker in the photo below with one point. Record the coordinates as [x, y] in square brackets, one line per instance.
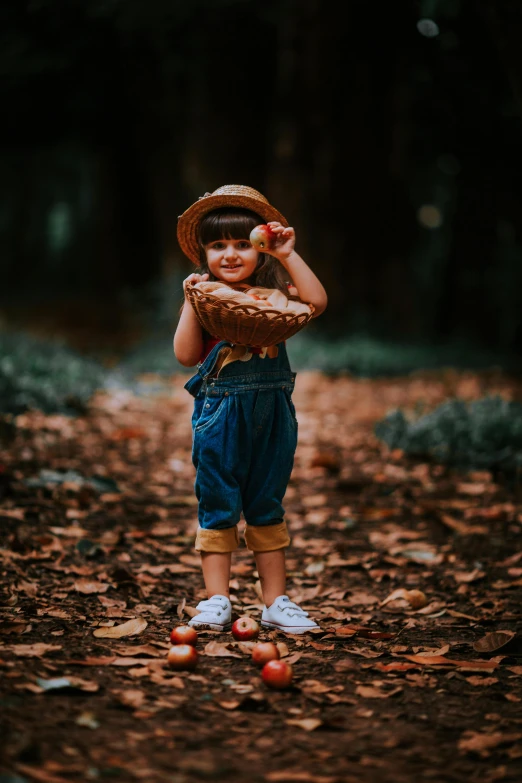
[214, 613]
[287, 616]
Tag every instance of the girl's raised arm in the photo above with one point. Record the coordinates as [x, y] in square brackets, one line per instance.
[310, 288]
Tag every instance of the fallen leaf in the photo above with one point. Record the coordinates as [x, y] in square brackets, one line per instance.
[368, 633]
[31, 650]
[484, 681]
[246, 647]
[131, 662]
[29, 588]
[409, 599]
[294, 657]
[143, 649]
[172, 568]
[90, 586]
[60, 683]
[344, 665]
[462, 527]
[298, 776]
[370, 692]
[322, 647]
[467, 577]
[191, 611]
[441, 660]
[101, 661]
[493, 641]
[315, 686]
[130, 628]
[283, 649]
[481, 743]
[454, 613]
[219, 650]
[131, 697]
[308, 724]
[345, 631]
[39, 774]
[396, 666]
[88, 719]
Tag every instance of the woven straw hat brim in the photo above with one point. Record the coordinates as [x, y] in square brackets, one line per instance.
[226, 196]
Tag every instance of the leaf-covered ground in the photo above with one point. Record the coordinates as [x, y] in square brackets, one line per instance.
[97, 521]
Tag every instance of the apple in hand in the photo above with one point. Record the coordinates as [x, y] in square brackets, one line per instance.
[277, 674]
[262, 237]
[264, 652]
[184, 634]
[182, 657]
[245, 629]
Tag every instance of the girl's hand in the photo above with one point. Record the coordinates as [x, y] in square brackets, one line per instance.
[194, 278]
[283, 243]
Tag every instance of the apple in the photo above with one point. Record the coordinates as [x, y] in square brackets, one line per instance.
[277, 674]
[182, 657]
[264, 652]
[184, 634]
[245, 628]
[262, 237]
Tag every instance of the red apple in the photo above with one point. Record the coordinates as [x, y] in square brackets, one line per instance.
[182, 657]
[245, 628]
[262, 237]
[263, 652]
[277, 674]
[184, 634]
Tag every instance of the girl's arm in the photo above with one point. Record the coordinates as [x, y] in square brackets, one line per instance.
[188, 337]
[310, 288]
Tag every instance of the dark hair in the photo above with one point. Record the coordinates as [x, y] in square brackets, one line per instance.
[237, 223]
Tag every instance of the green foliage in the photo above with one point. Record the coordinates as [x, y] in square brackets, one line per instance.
[155, 354]
[43, 375]
[484, 434]
[369, 357]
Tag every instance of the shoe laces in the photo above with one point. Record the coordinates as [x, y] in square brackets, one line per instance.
[291, 608]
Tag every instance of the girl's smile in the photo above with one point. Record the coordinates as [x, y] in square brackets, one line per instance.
[231, 259]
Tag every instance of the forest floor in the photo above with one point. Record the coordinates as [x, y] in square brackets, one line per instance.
[97, 526]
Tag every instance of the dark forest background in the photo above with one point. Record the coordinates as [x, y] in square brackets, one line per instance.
[388, 134]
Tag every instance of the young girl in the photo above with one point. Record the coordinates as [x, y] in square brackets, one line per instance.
[244, 424]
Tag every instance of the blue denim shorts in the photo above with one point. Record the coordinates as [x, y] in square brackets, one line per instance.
[244, 440]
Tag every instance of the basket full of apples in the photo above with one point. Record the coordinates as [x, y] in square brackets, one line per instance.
[244, 315]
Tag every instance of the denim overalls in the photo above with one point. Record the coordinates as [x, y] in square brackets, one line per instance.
[244, 439]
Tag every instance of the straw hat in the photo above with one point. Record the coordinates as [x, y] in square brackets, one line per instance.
[225, 196]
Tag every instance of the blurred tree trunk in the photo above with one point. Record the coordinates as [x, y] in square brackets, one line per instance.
[504, 20]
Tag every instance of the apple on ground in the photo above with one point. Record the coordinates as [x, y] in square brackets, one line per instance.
[262, 237]
[264, 652]
[184, 634]
[182, 657]
[277, 674]
[245, 629]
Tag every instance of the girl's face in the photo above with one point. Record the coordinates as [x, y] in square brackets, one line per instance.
[231, 260]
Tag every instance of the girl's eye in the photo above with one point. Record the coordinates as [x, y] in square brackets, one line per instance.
[243, 244]
[217, 245]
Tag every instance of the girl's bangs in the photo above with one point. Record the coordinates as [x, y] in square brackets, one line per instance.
[224, 224]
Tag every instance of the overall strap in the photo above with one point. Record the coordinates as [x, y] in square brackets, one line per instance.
[205, 368]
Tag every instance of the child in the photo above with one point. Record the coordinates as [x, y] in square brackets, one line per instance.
[244, 424]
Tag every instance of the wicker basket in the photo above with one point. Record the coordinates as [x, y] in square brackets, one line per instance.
[244, 324]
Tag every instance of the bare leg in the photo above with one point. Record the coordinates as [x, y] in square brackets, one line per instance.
[272, 574]
[216, 572]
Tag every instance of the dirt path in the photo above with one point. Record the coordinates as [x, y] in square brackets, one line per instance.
[384, 692]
